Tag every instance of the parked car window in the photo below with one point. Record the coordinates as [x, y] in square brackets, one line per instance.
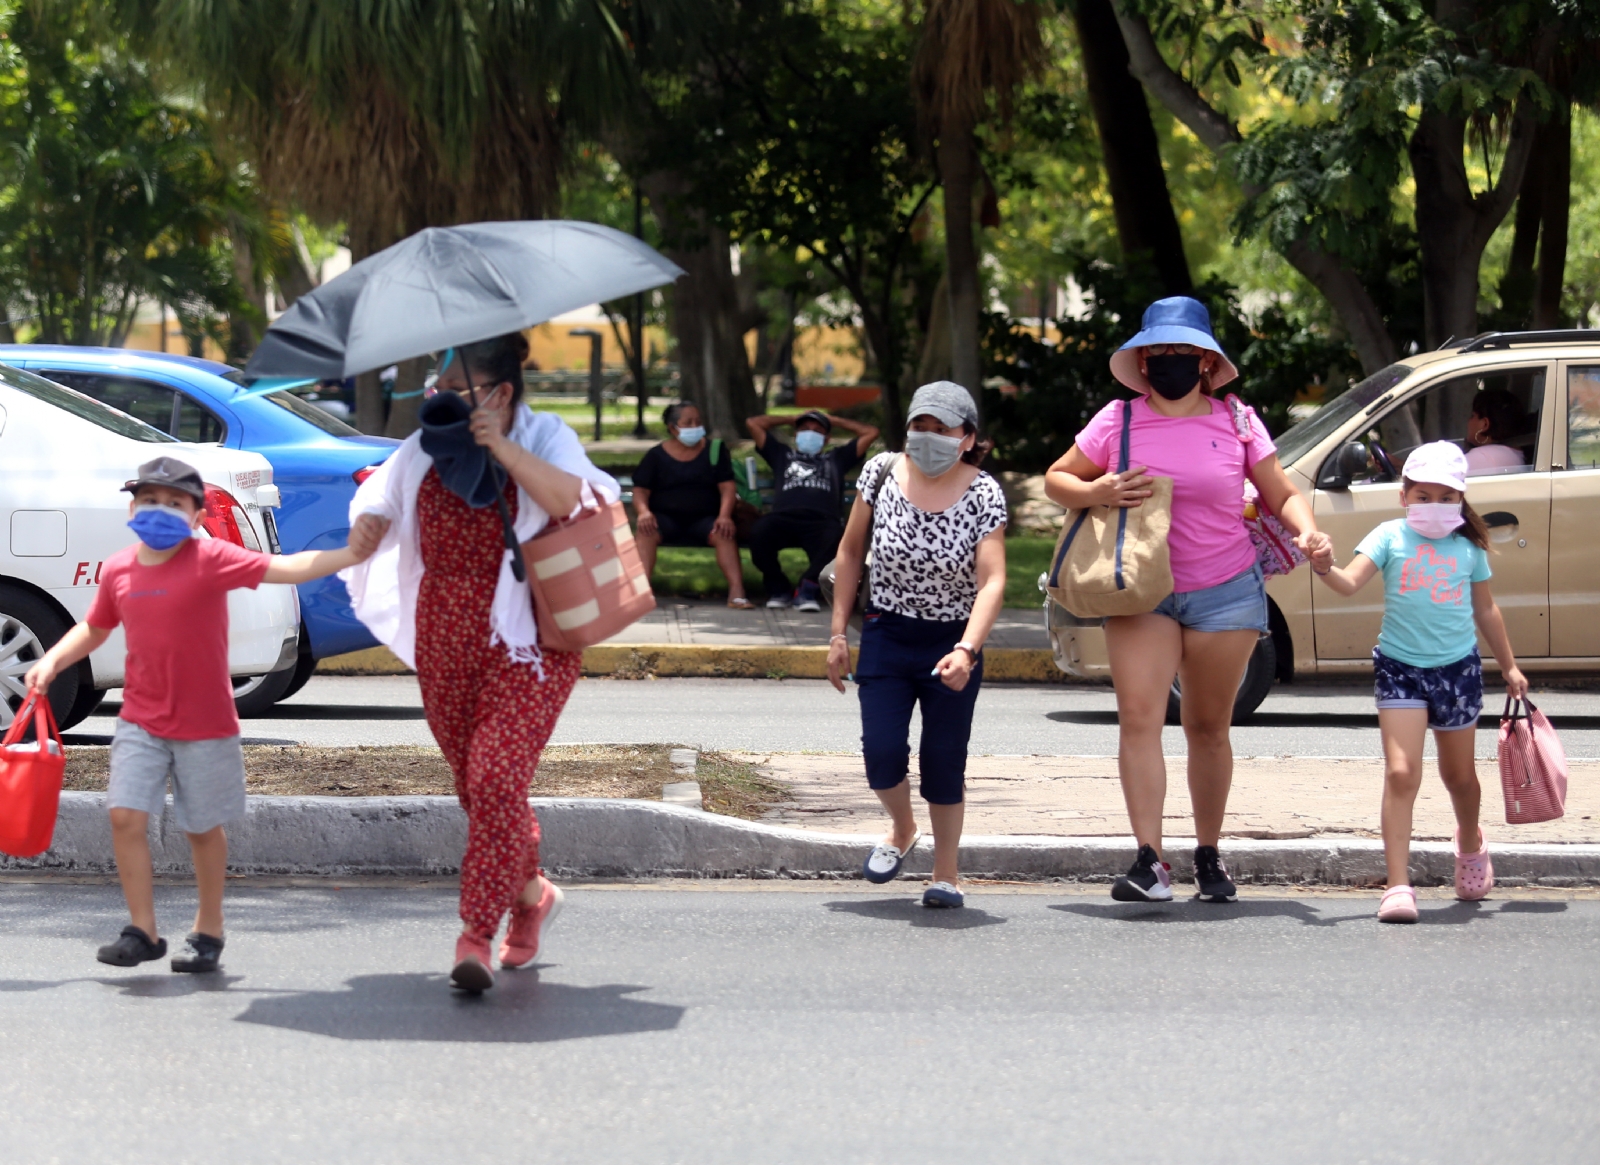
[1305, 436]
[1442, 411]
[80, 405]
[1583, 418]
[295, 401]
[167, 409]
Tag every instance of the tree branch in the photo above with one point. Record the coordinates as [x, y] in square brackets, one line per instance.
[1357, 310]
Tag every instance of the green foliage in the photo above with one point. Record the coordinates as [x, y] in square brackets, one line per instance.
[109, 193]
[1062, 384]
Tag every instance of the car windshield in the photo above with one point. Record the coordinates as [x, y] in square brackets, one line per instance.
[1305, 436]
[79, 405]
[304, 409]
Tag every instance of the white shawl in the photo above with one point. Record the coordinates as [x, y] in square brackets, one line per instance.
[383, 589]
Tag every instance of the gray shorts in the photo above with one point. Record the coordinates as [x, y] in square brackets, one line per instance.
[207, 777]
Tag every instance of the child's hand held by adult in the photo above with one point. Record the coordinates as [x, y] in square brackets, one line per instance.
[366, 533]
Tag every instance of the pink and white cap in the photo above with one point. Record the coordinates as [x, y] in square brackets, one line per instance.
[1437, 463]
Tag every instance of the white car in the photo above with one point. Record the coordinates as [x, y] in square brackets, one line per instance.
[64, 458]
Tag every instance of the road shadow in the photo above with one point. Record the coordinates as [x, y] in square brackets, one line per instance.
[911, 911]
[1258, 719]
[1107, 717]
[1533, 908]
[340, 712]
[519, 1009]
[170, 986]
[1190, 911]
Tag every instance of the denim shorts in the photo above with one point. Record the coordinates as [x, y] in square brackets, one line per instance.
[1240, 604]
[1452, 693]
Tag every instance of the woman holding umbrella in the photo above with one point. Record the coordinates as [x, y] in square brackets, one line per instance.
[442, 594]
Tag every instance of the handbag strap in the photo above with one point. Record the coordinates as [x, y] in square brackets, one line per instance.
[888, 470]
[1127, 428]
[44, 722]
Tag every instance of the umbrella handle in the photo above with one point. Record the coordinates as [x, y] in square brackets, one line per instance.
[519, 569]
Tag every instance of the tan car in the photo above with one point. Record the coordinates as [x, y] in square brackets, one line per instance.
[1543, 516]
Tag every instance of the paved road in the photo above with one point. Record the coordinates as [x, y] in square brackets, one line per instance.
[821, 1025]
[797, 715]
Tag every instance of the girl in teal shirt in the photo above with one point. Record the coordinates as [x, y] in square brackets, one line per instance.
[1435, 565]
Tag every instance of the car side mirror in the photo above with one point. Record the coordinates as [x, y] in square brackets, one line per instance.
[1349, 463]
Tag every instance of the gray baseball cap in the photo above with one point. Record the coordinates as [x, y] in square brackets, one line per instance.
[946, 402]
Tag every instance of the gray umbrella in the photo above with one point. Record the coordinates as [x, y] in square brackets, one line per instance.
[447, 286]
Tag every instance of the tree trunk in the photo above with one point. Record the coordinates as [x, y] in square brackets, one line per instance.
[1557, 178]
[1516, 286]
[1140, 201]
[403, 405]
[1453, 224]
[243, 325]
[958, 167]
[707, 319]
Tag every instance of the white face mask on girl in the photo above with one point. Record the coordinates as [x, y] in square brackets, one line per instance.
[1434, 519]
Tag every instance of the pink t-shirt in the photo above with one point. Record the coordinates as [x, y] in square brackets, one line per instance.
[1485, 457]
[1207, 463]
[176, 615]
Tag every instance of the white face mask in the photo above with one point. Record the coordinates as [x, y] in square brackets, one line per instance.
[1434, 519]
[692, 436]
[809, 442]
[933, 453]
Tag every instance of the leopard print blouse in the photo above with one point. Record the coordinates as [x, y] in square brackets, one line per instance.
[924, 565]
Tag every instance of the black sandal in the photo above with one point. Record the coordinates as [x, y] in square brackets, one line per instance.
[132, 947]
[201, 952]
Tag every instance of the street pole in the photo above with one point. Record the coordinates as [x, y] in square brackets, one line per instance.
[596, 397]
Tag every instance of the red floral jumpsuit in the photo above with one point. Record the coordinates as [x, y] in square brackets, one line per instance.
[490, 716]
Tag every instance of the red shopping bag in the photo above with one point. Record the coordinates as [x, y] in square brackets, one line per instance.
[30, 781]
[1533, 765]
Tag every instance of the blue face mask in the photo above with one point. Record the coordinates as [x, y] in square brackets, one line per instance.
[692, 436]
[809, 442]
[160, 527]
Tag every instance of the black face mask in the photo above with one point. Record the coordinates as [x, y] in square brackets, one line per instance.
[1174, 377]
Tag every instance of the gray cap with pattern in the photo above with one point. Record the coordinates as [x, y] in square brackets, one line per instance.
[945, 401]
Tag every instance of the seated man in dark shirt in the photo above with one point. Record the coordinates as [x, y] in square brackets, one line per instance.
[808, 491]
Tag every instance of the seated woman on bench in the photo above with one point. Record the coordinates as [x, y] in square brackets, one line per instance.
[682, 499]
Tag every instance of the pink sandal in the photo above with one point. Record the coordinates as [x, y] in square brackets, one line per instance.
[1474, 872]
[1399, 904]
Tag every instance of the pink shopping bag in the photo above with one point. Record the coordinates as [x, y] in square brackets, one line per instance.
[1533, 765]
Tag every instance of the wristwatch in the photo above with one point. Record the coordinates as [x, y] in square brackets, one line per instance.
[971, 651]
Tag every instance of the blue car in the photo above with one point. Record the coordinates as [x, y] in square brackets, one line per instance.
[317, 461]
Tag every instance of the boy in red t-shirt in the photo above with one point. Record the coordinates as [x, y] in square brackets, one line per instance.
[170, 591]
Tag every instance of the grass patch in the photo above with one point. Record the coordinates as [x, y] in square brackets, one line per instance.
[690, 572]
[586, 770]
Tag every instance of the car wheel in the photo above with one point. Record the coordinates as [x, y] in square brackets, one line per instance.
[304, 669]
[88, 701]
[1259, 677]
[255, 695]
[29, 627]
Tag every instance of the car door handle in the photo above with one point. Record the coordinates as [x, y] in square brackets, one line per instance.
[1499, 518]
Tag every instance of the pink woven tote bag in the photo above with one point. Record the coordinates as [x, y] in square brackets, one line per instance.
[1533, 765]
[587, 579]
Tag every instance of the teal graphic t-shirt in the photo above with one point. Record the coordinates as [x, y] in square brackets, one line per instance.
[1427, 588]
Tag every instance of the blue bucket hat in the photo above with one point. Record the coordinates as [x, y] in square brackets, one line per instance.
[1174, 320]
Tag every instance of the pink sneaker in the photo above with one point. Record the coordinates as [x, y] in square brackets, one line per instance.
[521, 943]
[1474, 872]
[473, 971]
[1399, 904]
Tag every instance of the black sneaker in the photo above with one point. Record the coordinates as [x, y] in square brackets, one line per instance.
[201, 953]
[132, 947]
[1211, 881]
[1147, 880]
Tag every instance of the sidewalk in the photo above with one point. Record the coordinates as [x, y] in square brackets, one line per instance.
[1273, 798]
[712, 623]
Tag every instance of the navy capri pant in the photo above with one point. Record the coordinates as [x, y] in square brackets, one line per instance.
[893, 674]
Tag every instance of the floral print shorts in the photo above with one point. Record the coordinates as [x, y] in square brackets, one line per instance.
[1452, 693]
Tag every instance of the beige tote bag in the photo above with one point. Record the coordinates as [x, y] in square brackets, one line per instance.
[1113, 561]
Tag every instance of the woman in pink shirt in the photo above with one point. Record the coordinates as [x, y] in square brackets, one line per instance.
[1205, 631]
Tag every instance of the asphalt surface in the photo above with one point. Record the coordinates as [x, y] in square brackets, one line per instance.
[817, 1025]
[802, 715]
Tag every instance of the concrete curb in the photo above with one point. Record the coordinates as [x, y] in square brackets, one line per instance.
[637, 839]
[640, 660]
